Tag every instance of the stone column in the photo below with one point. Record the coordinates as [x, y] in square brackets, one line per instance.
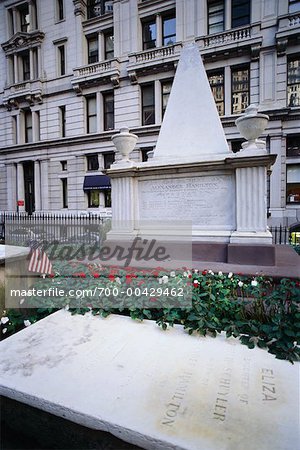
[31, 64]
[227, 90]
[251, 206]
[39, 63]
[18, 133]
[99, 108]
[31, 16]
[157, 101]
[227, 16]
[101, 44]
[35, 126]
[44, 185]
[37, 186]
[123, 201]
[11, 187]
[20, 186]
[79, 13]
[159, 38]
[15, 20]
[276, 206]
[16, 73]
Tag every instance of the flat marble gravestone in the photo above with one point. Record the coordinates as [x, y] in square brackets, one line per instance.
[157, 389]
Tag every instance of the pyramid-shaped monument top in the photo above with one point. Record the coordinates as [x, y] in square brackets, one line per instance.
[191, 129]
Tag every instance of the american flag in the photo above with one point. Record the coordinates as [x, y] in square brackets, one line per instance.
[39, 261]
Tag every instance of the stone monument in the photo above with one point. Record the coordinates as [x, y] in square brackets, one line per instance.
[193, 176]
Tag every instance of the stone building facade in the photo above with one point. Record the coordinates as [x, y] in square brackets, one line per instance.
[73, 72]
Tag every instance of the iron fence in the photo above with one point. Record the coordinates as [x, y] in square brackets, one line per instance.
[19, 228]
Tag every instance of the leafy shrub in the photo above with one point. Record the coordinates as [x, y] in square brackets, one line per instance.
[257, 310]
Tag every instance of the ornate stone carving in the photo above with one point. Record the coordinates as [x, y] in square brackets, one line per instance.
[115, 79]
[23, 40]
[132, 76]
[255, 50]
[79, 7]
[281, 44]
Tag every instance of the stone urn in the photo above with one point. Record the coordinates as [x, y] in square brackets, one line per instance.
[251, 125]
[124, 142]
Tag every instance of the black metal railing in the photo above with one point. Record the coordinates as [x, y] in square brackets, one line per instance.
[19, 228]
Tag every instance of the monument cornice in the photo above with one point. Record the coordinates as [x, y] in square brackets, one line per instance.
[193, 167]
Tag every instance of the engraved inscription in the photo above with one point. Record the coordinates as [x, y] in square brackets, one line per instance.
[206, 200]
[221, 403]
[268, 385]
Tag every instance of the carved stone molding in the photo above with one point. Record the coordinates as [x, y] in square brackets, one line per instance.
[79, 7]
[132, 76]
[281, 44]
[115, 79]
[255, 50]
[22, 40]
[77, 88]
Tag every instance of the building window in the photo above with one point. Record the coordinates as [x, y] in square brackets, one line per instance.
[293, 81]
[166, 87]
[236, 145]
[64, 166]
[145, 153]
[294, 6]
[216, 15]
[240, 13]
[293, 183]
[108, 109]
[149, 34]
[93, 49]
[107, 198]
[216, 81]
[91, 114]
[109, 45]
[293, 145]
[169, 30]
[60, 10]
[62, 116]
[93, 198]
[61, 60]
[24, 17]
[240, 89]
[64, 184]
[109, 159]
[28, 126]
[25, 66]
[92, 162]
[148, 104]
[97, 8]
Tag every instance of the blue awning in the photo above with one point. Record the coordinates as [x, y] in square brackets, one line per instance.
[92, 182]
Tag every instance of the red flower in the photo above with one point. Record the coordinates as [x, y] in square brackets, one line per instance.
[190, 276]
[111, 277]
[298, 283]
[82, 275]
[204, 272]
[96, 275]
[196, 285]
[51, 275]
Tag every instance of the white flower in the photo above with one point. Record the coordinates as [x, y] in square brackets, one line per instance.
[165, 279]
[185, 274]
[172, 274]
[118, 280]
[211, 272]
[230, 275]
[4, 320]
[4, 330]
[196, 282]
[240, 283]
[220, 273]
[254, 283]
[196, 270]
[67, 308]
[22, 301]
[27, 323]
